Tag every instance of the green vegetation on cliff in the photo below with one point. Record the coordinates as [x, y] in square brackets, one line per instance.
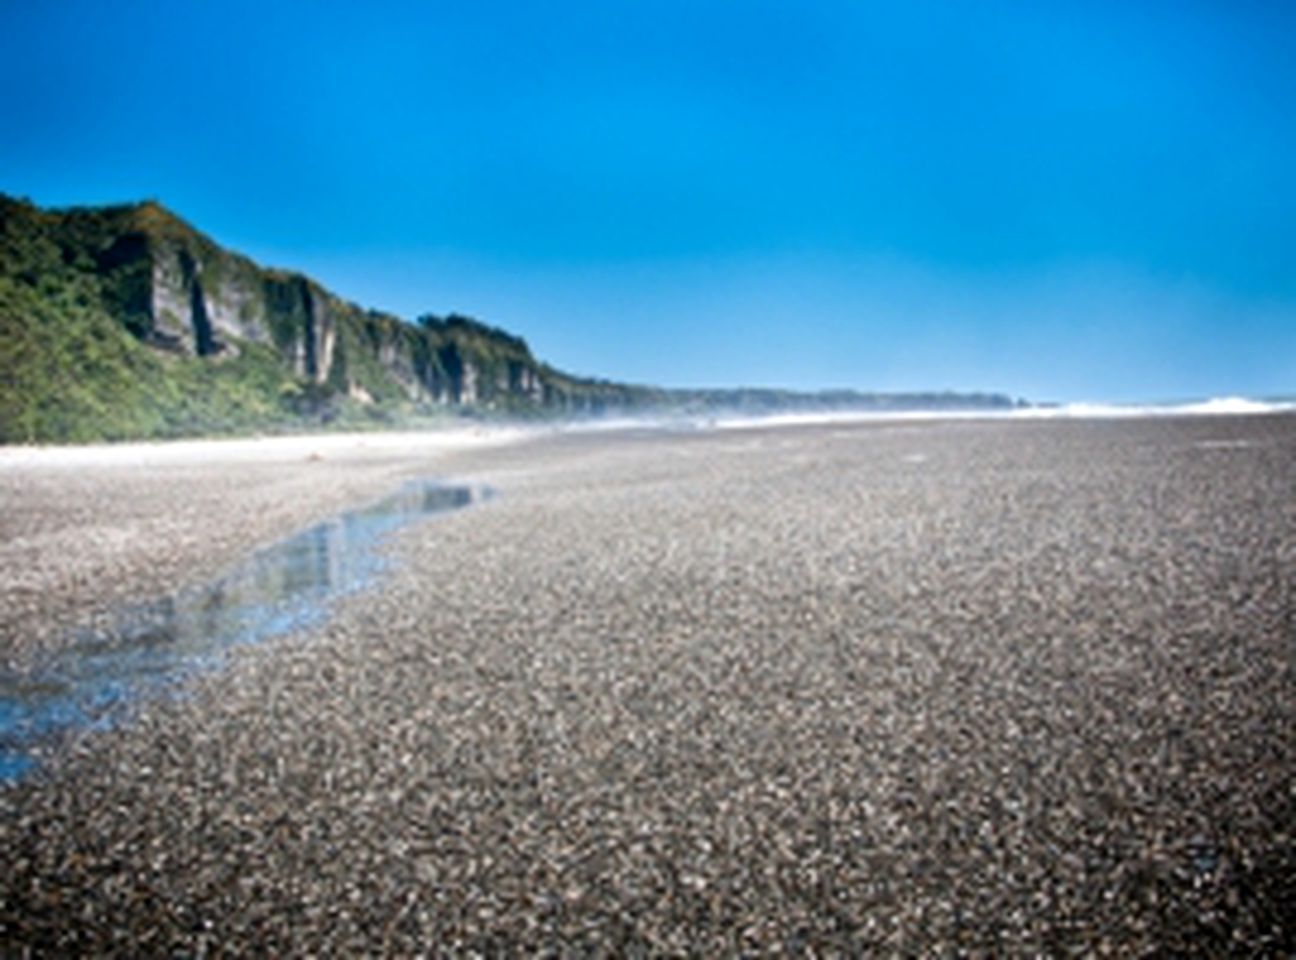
[125, 322]
[73, 366]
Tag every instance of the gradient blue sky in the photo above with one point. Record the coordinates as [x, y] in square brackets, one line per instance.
[1067, 201]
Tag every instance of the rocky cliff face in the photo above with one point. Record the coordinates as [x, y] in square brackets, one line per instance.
[180, 293]
[121, 322]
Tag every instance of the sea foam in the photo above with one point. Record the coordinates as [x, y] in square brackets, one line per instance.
[1215, 406]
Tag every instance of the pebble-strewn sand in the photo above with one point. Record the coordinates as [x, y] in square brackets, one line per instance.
[1006, 686]
[84, 530]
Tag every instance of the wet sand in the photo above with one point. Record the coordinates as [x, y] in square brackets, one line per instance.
[1004, 686]
[87, 530]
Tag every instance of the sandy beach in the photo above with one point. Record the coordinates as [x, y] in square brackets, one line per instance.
[1008, 687]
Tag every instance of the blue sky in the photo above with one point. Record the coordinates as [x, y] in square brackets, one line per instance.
[1068, 201]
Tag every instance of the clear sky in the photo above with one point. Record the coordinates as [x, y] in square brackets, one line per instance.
[1066, 201]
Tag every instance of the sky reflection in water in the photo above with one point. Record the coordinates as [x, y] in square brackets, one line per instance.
[152, 647]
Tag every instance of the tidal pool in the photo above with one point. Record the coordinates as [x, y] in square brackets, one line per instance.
[150, 648]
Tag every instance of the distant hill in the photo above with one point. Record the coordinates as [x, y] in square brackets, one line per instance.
[126, 322]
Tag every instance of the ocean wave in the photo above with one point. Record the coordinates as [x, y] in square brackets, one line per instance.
[1215, 406]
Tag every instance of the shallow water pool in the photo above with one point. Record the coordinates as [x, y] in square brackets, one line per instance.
[150, 648]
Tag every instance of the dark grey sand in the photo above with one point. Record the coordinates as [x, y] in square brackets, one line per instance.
[84, 531]
[1008, 687]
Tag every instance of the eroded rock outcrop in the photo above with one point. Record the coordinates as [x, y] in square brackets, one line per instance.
[179, 292]
[123, 322]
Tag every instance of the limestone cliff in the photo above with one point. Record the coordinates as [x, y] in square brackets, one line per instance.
[125, 321]
[178, 292]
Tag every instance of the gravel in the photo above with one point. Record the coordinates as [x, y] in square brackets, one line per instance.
[939, 687]
[85, 531]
